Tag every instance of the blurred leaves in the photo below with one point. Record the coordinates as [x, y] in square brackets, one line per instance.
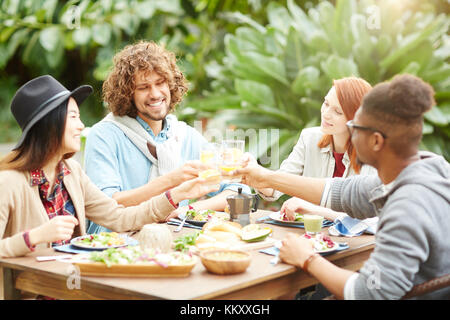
[75, 41]
[282, 70]
[250, 64]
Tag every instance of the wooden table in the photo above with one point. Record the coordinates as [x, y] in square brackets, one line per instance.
[262, 280]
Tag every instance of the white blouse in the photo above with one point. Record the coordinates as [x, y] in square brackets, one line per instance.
[307, 159]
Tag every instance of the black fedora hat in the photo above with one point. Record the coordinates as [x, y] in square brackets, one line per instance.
[38, 97]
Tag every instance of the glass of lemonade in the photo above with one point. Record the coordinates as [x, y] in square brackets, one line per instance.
[231, 156]
[209, 155]
[313, 223]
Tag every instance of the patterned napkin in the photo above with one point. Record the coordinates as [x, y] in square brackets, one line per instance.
[351, 227]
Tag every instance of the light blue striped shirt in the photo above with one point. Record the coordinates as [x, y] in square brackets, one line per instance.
[114, 163]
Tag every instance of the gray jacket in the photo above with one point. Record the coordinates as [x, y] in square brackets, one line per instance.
[412, 241]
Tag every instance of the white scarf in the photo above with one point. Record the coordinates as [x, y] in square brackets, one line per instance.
[168, 152]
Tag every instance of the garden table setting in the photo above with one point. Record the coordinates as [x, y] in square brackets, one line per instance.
[53, 273]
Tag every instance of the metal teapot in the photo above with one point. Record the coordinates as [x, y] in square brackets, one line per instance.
[241, 205]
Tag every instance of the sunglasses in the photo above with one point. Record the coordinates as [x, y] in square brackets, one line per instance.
[351, 128]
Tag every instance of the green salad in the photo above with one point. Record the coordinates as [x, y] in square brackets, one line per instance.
[102, 239]
[183, 243]
[200, 215]
[136, 255]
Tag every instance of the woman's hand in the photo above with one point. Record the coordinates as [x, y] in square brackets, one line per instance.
[295, 250]
[57, 229]
[187, 171]
[252, 174]
[176, 213]
[192, 189]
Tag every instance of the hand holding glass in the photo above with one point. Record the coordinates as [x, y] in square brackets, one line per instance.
[231, 157]
[210, 157]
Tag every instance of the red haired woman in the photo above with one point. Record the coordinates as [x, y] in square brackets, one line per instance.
[326, 151]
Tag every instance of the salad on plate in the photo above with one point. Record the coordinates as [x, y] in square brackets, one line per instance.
[135, 255]
[102, 240]
[202, 216]
[321, 243]
[281, 217]
[133, 261]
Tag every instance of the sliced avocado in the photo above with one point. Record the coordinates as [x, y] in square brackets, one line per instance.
[256, 235]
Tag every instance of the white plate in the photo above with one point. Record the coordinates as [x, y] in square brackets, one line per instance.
[336, 246]
[128, 241]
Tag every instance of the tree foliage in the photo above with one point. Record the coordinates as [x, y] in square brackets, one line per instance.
[276, 75]
[252, 64]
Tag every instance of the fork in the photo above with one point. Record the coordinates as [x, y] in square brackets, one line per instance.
[178, 229]
[276, 259]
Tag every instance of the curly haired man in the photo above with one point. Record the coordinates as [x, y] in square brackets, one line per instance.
[140, 149]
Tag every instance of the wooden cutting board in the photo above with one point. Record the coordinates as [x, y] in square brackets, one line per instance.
[242, 245]
[247, 246]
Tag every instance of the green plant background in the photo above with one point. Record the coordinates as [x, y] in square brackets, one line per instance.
[251, 64]
[276, 75]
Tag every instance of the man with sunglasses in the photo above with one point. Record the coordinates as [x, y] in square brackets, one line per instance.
[410, 195]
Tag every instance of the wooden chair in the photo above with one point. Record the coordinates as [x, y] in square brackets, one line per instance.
[428, 286]
[421, 289]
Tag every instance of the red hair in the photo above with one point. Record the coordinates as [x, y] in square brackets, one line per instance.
[350, 92]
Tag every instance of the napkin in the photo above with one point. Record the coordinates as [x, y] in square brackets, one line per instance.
[351, 227]
[71, 249]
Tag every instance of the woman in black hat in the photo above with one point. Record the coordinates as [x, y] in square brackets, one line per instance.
[45, 197]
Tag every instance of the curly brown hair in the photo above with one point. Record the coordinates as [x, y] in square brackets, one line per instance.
[147, 56]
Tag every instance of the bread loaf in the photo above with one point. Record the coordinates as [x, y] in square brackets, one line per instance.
[156, 236]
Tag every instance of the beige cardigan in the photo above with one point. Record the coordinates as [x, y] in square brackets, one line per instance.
[21, 208]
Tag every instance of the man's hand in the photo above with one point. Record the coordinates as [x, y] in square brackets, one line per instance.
[295, 250]
[293, 205]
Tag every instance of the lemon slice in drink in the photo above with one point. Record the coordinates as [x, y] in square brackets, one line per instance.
[210, 174]
[228, 168]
